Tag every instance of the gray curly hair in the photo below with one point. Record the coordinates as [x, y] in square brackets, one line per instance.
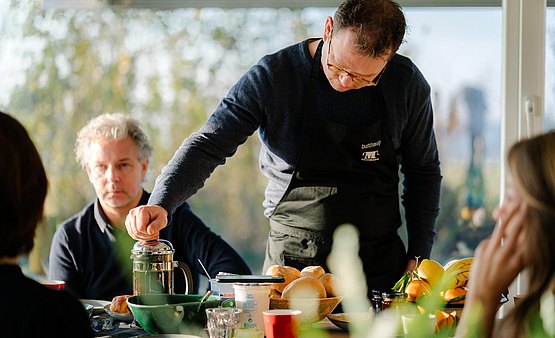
[111, 126]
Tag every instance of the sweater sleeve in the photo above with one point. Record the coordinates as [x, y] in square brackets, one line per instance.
[236, 118]
[420, 169]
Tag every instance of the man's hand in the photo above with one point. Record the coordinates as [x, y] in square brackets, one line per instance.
[411, 265]
[145, 222]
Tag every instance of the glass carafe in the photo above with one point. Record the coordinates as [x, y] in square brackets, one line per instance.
[153, 266]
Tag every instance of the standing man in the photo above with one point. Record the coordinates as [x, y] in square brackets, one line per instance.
[90, 251]
[338, 117]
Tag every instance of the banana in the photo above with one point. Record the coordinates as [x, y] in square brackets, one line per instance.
[458, 263]
[456, 273]
[462, 278]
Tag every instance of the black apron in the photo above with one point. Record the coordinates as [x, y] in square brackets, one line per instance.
[344, 174]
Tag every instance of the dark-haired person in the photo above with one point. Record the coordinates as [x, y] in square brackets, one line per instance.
[90, 251]
[338, 116]
[524, 238]
[28, 309]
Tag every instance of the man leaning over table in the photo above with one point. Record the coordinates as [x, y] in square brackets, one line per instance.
[91, 250]
[339, 117]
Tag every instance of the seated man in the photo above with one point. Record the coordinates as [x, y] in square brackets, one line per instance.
[91, 250]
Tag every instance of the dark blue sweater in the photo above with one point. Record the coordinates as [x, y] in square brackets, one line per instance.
[93, 258]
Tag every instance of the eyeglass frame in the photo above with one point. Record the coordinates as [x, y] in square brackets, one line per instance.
[356, 79]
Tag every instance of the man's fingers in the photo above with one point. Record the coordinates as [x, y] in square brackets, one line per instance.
[154, 227]
[145, 222]
[130, 223]
[142, 221]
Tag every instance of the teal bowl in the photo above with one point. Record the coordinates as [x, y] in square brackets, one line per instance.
[164, 313]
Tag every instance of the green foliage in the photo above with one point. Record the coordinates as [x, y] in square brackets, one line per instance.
[402, 283]
[168, 69]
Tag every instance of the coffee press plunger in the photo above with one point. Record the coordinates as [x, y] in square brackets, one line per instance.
[153, 266]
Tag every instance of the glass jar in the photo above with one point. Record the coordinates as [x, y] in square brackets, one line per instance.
[376, 302]
[153, 266]
[393, 300]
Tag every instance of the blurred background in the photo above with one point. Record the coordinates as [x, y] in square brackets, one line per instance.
[170, 68]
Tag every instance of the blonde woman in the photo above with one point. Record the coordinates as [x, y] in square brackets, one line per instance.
[523, 238]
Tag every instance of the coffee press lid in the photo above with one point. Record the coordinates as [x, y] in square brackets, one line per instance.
[160, 247]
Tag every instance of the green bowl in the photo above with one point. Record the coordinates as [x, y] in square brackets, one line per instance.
[164, 313]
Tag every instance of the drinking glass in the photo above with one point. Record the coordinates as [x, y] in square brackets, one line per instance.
[222, 321]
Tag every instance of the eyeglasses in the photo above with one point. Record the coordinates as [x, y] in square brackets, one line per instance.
[356, 79]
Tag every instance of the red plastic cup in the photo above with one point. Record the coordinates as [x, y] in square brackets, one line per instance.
[54, 284]
[282, 323]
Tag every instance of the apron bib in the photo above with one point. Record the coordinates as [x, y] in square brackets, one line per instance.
[344, 174]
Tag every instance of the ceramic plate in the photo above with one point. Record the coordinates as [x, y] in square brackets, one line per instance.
[89, 309]
[122, 317]
[98, 305]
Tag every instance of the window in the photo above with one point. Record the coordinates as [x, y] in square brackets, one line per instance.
[463, 65]
[170, 68]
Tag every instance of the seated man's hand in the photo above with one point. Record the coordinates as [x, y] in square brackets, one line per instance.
[145, 222]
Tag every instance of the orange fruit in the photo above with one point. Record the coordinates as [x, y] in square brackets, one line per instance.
[442, 318]
[446, 323]
[416, 288]
[454, 293]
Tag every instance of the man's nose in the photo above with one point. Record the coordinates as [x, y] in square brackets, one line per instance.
[346, 80]
[112, 174]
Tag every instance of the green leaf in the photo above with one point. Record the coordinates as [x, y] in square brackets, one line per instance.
[456, 299]
[402, 283]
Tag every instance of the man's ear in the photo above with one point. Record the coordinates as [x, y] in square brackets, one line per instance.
[328, 27]
[144, 168]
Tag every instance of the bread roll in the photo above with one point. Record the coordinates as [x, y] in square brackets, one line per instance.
[119, 304]
[315, 271]
[304, 288]
[331, 284]
[288, 272]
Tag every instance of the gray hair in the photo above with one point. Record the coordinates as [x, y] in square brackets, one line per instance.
[111, 126]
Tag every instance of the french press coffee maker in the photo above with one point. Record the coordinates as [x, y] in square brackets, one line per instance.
[153, 266]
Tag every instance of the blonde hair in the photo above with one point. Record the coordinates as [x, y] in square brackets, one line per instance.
[532, 165]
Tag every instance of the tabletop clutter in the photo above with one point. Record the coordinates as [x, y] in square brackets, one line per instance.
[235, 306]
[282, 302]
[271, 305]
